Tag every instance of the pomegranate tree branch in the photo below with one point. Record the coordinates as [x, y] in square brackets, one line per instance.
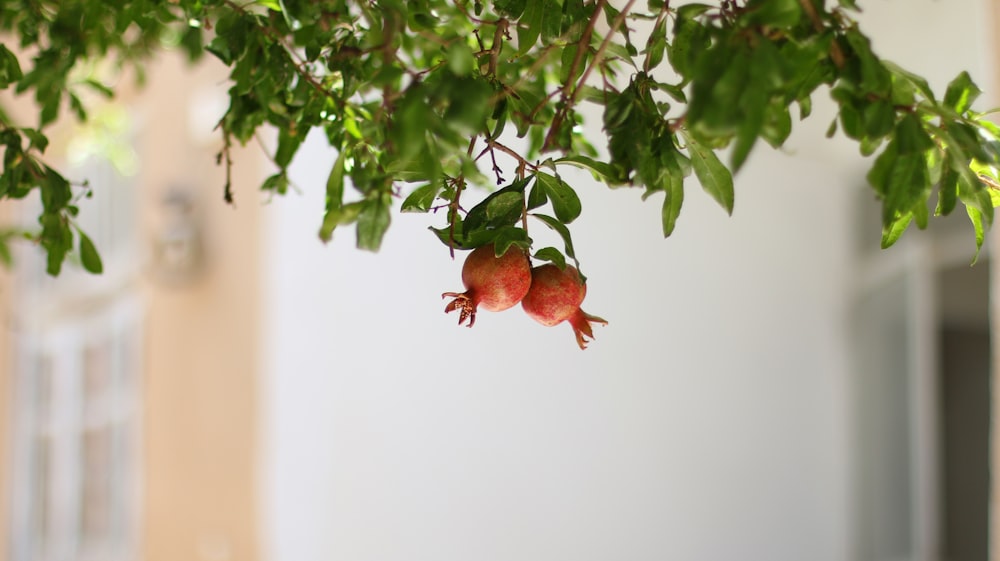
[454, 207]
[836, 54]
[569, 95]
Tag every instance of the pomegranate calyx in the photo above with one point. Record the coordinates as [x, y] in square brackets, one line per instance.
[581, 321]
[463, 303]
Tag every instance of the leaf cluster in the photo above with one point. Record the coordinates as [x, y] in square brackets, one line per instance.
[424, 99]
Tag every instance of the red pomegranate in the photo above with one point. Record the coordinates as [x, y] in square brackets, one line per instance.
[555, 296]
[495, 283]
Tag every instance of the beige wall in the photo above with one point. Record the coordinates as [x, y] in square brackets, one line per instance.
[5, 413]
[198, 398]
[201, 343]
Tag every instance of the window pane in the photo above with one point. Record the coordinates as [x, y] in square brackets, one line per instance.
[96, 380]
[95, 504]
[42, 388]
[41, 485]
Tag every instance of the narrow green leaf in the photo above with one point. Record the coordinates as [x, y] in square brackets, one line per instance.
[911, 136]
[947, 191]
[10, 70]
[895, 229]
[339, 216]
[907, 183]
[565, 201]
[422, 198]
[536, 197]
[713, 175]
[6, 256]
[976, 218]
[920, 214]
[373, 221]
[773, 13]
[505, 209]
[551, 18]
[288, 143]
[656, 46]
[672, 204]
[335, 183]
[508, 236]
[510, 8]
[602, 171]
[754, 102]
[461, 61]
[89, 256]
[961, 93]
[552, 255]
[917, 81]
[529, 26]
[563, 232]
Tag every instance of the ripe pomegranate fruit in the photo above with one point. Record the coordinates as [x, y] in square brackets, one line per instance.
[555, 296]
[495, 283]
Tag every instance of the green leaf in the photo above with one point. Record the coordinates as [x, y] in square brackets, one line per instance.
[551, 19]
[921, 214]
[672, 203]
[911, 136]
[288, 143]
[507, 212]
[565, 201]
[947, 191]
[907, 182]
[536, 197]
[656, 46]
[277, 183]
[339, 216]
[552, 255]
[373, 221]
[88, 255]
[713, 175]
[38, 140]
[504, 209]
[563, 232]
[334, 197]
[461, 61]
[875, 77]
[892, 231]
[529, 26]
[917, 81]
[510, 8]
[422, 198]
[10, 70]
[601, 171]
[773, 13]
[961, 93]
[754, 101]
[508, 236]
[976, 218]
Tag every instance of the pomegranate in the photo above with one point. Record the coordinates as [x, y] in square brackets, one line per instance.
[555, 296]
[495, 283]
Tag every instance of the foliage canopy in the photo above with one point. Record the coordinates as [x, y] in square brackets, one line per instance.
[420, 97]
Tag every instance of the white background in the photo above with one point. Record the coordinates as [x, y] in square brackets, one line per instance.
[709, 420]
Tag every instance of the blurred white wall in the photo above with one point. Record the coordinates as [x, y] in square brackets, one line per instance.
[709, 420]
